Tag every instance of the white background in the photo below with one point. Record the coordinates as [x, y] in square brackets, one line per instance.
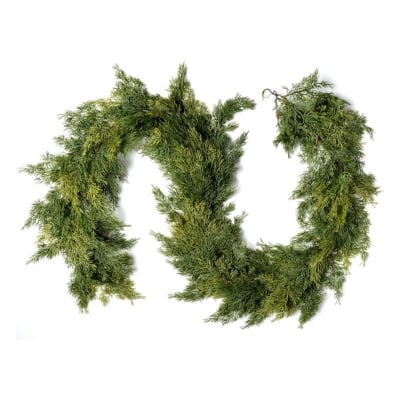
[57, 54]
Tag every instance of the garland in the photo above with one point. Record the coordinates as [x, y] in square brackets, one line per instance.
[195, 152]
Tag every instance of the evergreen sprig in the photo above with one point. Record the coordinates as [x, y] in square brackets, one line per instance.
[195, 152]
[77, 217]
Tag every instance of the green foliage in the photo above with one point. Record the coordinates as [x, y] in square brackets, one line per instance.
[76, 218]
[195, 152]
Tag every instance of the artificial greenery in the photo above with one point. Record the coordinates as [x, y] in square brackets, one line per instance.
[193, 148]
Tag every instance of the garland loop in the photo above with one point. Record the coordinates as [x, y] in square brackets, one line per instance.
[195, 152]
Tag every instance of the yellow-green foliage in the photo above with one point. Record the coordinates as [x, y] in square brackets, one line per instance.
[195, 152]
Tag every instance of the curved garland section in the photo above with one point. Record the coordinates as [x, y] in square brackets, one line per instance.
[195, 152]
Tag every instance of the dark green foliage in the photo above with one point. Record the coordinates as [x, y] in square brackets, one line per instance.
[195, 152]
[76, 218]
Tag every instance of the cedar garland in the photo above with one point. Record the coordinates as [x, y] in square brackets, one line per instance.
[195, 152]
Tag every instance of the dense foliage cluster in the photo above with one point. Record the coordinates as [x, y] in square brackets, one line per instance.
[195, 152]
